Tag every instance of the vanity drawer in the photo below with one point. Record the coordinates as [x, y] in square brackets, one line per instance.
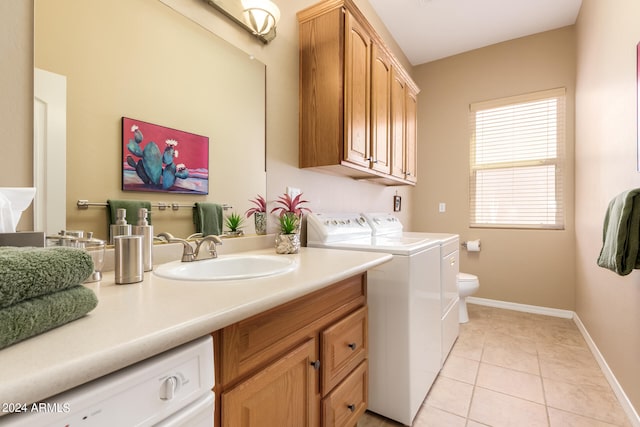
[348, 401]
[344, 346]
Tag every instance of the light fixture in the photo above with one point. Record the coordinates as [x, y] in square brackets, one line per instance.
[262, 16]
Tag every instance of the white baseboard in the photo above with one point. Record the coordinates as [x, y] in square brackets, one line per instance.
[628, 408]
[613, 382]
[555, 312]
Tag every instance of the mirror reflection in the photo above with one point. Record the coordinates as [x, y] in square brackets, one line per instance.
[141, 59]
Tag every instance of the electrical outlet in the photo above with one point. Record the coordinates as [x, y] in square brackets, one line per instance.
[293, 191]
[442, 207]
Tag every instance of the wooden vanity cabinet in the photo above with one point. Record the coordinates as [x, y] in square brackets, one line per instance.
[303, 363]
[351, 122]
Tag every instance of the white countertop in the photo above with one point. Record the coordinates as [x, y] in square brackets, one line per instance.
[137, 321]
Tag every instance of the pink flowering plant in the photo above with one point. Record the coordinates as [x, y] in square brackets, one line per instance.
[287, 204]
[260, 206]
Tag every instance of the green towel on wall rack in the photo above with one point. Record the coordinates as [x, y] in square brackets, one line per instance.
[131, 206]
[31, 272]
[621, 234]
[208, 218]
[36, 315]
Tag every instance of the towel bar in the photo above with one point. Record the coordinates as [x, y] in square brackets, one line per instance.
[84, 204]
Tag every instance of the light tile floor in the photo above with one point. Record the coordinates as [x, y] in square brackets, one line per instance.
[513, 369]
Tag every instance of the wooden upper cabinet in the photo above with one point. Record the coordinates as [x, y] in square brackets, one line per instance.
[357, 94]
[380, 110]
[347, 85]
[411, 137]
[398, 113]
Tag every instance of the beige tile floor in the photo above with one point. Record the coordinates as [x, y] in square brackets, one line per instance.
[509, 368]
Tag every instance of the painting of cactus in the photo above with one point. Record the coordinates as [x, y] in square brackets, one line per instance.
[157, 158]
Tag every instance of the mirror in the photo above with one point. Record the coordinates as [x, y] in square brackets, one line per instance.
[143, 60]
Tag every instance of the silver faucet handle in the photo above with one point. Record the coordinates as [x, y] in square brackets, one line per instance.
[213, 241]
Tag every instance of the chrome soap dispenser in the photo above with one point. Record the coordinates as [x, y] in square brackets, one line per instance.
[120, 228]
[146, 231]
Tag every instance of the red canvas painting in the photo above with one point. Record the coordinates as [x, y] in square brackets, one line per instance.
[157, 158]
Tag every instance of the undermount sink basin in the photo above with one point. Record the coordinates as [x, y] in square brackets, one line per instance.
[232, 267]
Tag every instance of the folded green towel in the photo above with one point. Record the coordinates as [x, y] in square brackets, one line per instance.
[131, 206]
[621, 234]
[30, 272]
[36, 315]
[208, 218]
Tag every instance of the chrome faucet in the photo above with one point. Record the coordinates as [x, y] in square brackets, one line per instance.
[188, 253]
[187, 250]
[213, 241]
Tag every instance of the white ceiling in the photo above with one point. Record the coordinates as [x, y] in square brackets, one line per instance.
[427, 30]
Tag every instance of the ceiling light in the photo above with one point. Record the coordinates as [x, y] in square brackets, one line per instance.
[261, 15]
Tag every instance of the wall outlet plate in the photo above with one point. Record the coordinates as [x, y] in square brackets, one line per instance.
[293, 191]
[397, 203]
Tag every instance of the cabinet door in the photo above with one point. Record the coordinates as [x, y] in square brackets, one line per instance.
[357, 91]
[283, 394]
[398, 95]
[380, 110]
[411, 138]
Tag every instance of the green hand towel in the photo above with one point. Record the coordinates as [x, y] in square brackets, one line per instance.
[131, 206]
[31, 272]
[621, 234]
[208, 218]
[36, 315]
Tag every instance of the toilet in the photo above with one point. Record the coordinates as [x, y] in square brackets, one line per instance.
[468, 284]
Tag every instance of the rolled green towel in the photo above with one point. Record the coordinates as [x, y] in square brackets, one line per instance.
[31, 272]
[36, 315]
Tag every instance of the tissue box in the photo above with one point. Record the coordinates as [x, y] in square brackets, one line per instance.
[23, 238]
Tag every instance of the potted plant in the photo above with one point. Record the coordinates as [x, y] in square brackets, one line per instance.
[259, 212]
[288, 239]
[290, 211]
[234, 223]
[292, 205]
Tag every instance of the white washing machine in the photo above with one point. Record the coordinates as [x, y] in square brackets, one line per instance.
[449, 268]
[404, 299]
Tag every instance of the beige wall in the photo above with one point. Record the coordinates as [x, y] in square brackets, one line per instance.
[606, 152]
[522, 266]
[16, 104]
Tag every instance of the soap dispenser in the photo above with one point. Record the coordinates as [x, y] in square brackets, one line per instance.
[120, 228]
[146, 231]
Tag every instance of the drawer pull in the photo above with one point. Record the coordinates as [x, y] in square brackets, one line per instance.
[351, 407]
[352, 346]
[316, 365]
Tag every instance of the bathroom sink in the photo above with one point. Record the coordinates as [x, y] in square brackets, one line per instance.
[232, 267]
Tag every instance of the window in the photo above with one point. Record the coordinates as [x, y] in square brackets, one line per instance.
[516, 165]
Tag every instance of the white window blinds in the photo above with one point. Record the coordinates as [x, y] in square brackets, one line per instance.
[517, 161]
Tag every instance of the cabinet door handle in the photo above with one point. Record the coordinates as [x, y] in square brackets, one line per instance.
[351, 407]
[316, 365]
[352, 346]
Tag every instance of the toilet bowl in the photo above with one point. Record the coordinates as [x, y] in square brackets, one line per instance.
[468, 284]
